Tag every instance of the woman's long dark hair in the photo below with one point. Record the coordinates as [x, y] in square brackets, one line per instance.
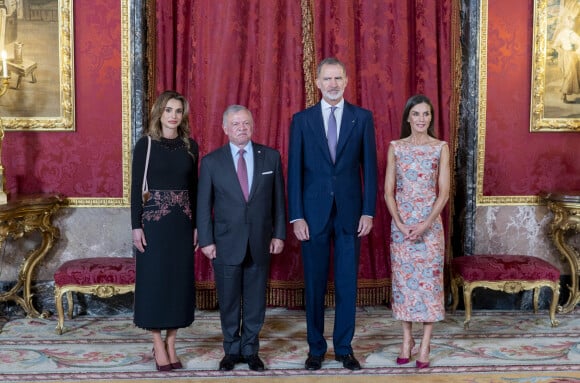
[411, 102]
[155, 130]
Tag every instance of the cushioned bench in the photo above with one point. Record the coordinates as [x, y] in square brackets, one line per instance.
[508, 273]
[100, 276]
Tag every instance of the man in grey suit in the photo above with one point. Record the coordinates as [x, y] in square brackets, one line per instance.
[241, 221]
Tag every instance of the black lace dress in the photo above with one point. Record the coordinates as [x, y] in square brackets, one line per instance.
[165, 280]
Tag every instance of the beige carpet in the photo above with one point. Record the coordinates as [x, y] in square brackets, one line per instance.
[503, 347]
[523, 377]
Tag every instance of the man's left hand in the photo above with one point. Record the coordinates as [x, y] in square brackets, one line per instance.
[365, 225]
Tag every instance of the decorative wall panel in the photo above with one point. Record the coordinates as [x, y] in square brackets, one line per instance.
[515, 165]
[89, 165]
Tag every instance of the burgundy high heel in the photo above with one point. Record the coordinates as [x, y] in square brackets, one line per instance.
[403, 360]
[164, 368]
[406, 360]
[177, 365]
[420, 364]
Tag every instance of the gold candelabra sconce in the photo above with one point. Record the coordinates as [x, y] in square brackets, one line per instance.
[5, 78]
[4, 82]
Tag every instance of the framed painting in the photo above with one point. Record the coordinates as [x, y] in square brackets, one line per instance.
[36, 37]
[555, 93]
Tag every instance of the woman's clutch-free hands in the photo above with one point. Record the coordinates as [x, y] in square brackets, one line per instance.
[139, 240]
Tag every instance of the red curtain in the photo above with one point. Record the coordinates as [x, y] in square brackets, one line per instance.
[263, 55]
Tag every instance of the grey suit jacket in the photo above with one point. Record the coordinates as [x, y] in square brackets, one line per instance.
[225, 219]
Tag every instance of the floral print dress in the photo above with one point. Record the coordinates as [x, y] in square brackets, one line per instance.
[417, 266]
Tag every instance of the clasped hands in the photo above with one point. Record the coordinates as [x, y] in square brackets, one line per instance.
[414, 232]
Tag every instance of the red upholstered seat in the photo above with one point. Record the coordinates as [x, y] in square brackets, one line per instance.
[100, 276]
[96, 271]
[508, 273]
[503, 268]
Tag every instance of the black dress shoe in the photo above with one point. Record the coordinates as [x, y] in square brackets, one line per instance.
[349, 361]
[314, 362]
[228, 362]
[254, 362]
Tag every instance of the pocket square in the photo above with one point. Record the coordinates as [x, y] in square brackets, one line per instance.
[268, 172]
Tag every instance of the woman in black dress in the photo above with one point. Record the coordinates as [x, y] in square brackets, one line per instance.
[164, 230]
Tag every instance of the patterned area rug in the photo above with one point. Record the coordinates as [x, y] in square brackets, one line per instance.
[498, 347]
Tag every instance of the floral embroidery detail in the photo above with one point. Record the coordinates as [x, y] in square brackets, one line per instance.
[161, 203]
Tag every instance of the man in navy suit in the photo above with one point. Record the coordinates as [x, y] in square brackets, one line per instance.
[332, 187]
[241, 220]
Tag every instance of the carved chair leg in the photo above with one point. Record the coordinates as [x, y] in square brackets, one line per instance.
[467, 301]
[554, 305]
[454, 294]
[536, 298]
[70, 301]
[60, 311]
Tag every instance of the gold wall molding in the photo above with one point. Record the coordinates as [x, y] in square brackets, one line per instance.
[125, 79]
[480, 199]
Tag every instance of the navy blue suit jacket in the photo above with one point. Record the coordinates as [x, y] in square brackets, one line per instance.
[314, 182]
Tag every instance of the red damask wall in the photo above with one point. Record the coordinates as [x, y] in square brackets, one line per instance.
[86, 162]
[517, 162]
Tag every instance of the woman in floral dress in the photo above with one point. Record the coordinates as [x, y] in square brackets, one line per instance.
[416, 190]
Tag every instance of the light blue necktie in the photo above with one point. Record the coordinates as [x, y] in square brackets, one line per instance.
[332, 133]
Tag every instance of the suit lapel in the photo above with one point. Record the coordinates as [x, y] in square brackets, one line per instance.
[347, 125]
[317, 129]
[230, 169]
[258, 166]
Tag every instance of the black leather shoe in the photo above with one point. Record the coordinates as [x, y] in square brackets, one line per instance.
[349, 361]
[254, 362]
[314, 362]
[228, 362]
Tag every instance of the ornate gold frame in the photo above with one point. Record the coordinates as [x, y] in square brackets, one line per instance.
[66, 120]
[482, 200]
[538, 123]
[125, 121]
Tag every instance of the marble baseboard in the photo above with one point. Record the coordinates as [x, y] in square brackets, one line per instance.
[84, 304]
[486, 299]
